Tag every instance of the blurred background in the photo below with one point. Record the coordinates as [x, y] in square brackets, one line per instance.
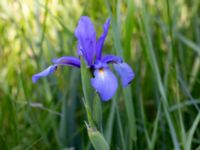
[159, 39]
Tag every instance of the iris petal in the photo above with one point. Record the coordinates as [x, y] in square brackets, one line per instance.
[105, 83]
[101, 39]
[86, 35]
[67, 60]
[111, 59]
[46, 72]
[125, 72]
[79, 52]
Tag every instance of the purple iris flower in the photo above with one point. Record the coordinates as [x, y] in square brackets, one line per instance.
[104, 81]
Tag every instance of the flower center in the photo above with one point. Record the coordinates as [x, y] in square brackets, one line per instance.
[101, 71]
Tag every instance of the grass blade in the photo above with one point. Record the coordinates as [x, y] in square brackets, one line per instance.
[192, 131]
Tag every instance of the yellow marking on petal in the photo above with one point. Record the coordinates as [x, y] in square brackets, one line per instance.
[102, 73]
[101, 70]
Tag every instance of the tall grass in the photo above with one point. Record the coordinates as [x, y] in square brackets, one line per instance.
[159, 109]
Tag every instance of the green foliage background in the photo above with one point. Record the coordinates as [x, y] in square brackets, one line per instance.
[160, 108]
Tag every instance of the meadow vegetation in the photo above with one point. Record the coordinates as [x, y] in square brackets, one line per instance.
[158, 110]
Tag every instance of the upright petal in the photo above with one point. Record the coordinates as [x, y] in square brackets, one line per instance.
[125, 72]
[67, 60]
[86, 35]
[111, 59]
[105, 83]
[46, 72]
[101, 39]
[79, 52]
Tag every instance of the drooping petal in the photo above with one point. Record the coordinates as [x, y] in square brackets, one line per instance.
[111, 59]
[100, 42]
[44, 73]
[105, 83]
[125, 72]
[67, 60]
[86, 35]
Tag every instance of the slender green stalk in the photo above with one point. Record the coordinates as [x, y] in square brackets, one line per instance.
[87, 91]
